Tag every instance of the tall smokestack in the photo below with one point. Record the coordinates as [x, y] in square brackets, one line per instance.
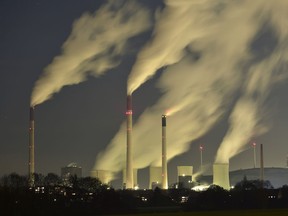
[31, 148]
[261, 164]
[129, 165]
[164, 155]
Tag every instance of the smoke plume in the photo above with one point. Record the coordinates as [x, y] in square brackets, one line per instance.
[94, 46]
[248, 116]
[206, 46]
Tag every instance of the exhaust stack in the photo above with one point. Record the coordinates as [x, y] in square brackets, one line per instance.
[31, 149]
[261, 165]
[129, 158]
[164, 155]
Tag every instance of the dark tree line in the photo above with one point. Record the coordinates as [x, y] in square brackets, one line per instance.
[88, 196]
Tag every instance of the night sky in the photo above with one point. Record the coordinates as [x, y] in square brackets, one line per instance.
[77, 123]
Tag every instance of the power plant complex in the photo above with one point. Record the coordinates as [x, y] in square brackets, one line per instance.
[158, 175]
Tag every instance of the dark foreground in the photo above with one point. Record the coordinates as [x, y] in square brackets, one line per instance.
[254, 212]
[89, 197]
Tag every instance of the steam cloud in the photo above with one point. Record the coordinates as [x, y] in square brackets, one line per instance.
[93, 47]
[207, 46]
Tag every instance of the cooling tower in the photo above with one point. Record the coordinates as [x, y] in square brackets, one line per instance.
[164, 155]
[31, 148]
[221, 175]
[184, 176]
[155, 179]
[135, 181]
[104, 176]
[129, 165]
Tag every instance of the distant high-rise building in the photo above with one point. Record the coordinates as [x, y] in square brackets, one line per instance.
[71, 170]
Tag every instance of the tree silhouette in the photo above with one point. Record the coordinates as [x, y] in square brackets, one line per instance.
[90, 184]
[14, 180]
[52, 179]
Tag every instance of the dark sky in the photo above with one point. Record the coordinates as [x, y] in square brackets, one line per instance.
[81, 120]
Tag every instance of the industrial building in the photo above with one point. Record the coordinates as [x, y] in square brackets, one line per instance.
[276, 175]
[155, 177]
[221, 175]
[71, 169]
[185, 176]
[158, 176]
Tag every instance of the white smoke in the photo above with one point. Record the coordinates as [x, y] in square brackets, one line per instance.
[247, 116]
[95, 43]
[170, 39]
[199, 92]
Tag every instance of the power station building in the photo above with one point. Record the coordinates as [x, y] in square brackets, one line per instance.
[71, 169]
[185, 176]
[221, 175]
[276, 175]
[155, 177]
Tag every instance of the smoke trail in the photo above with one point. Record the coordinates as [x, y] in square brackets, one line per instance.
[170, 39]
[207, 72]
[248, 116]
[95, 43]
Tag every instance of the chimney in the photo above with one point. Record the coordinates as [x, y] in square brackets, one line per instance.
[164, 155]
[261, 164]
[129, 158]
[31, 149]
